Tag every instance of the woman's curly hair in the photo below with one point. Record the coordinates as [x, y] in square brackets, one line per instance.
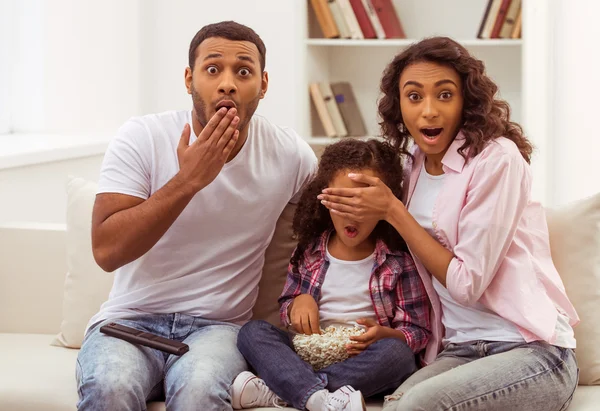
[484, 116]
[312, 218]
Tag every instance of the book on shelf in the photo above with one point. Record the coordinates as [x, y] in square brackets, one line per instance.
[363, 19]
[389, 19]
[325, 18]
[490, 18]
[335, 111]
[321, 108]
[339, 19]
[511, 19]
[500, 20]
[346, 101]
[351, 20]
[484, 20]
[358, 19]
[516, 33]
[370, 9]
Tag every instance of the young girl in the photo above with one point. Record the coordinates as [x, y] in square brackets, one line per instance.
[502, 336]
[342, 272]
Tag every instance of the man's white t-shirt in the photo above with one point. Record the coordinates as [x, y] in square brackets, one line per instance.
[209, 262]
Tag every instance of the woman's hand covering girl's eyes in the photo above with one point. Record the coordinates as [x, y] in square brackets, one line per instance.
[360, 204]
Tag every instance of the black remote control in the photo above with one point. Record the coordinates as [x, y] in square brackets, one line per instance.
[151, 340]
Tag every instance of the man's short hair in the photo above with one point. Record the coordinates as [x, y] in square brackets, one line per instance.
[229, 30]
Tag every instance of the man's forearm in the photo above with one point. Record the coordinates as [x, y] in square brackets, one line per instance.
[128, 234]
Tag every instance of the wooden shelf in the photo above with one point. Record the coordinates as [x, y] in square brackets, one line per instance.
[407, 42]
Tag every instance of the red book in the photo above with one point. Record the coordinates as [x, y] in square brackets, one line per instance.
[363, 19]
[500, 19]
[389, 19]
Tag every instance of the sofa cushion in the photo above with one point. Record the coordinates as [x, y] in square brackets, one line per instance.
[277, 258]
[585, 399]
[36, 376]
[575, 246]
[87, 286]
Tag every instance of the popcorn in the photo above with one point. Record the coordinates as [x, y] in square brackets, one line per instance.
[322, 350]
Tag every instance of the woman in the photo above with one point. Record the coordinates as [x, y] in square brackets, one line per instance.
[502, 336]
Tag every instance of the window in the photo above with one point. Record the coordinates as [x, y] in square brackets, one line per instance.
[6, 47]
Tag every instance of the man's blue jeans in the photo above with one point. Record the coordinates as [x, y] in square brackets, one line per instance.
[113, 374]
[382, 367]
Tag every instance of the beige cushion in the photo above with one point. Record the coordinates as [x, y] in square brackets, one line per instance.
[87, 286]
[277, 258]
[585, 399]
[36, 376]
[575, 244]
[32, 273]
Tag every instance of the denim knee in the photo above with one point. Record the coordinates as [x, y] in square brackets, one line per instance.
[205, 388]
[110, 391]
[250, 332]
[398, 354]
[416, 399]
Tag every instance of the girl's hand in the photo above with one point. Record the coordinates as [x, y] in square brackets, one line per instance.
[375, 332]
[304, 315]
[360, 204]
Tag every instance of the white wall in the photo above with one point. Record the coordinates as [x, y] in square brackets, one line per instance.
[77, 65]
[576, 102]
[38, 193]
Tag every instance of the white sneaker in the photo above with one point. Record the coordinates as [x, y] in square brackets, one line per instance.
[344, 399]
[249, 391]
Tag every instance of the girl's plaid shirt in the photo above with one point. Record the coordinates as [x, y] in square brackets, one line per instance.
[397, 292]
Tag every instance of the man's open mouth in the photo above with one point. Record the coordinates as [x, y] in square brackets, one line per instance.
[225, 103]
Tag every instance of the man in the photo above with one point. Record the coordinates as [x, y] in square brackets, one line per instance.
[187, 205]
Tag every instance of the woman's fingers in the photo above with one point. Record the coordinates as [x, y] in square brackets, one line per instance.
[339, 207]
[337, 199]
[361, 178]
[343, 192]
[347, 215]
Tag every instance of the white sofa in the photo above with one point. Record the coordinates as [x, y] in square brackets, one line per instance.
[34, 259]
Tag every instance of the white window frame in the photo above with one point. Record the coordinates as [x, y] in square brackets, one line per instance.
[7, 35]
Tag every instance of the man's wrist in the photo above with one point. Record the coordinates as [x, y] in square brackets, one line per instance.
[183, 185]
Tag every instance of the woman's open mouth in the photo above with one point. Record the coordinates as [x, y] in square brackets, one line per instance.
[431, 134]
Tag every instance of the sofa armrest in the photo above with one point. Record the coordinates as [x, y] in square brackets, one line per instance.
[33, 266]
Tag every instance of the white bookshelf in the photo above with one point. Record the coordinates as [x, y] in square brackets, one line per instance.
[407, 42]
[361, 62]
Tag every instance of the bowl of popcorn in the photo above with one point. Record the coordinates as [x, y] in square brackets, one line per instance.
[329, 347]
